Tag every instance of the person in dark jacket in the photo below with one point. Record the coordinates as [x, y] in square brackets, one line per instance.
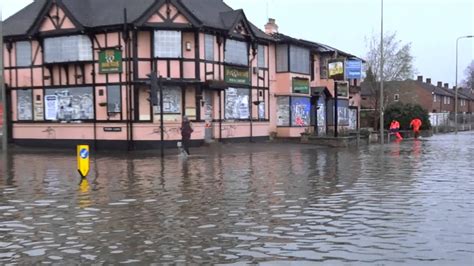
[186, 131]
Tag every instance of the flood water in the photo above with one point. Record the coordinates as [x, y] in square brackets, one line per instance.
[404, 203]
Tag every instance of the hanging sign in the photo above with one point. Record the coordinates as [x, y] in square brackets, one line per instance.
[336, 69]
[353, 69]
[83, 162]
[51, 107]
[110, 61]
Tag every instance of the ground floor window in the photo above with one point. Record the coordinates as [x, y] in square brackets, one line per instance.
[343, 115]
[67, 104]
[293, 111]
[114, 99]
[171, 100]
[24, 104]
[237, 103]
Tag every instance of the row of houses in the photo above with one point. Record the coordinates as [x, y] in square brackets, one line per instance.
[434, 98]
[78, 71]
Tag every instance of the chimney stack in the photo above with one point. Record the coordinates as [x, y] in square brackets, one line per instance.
[446, 85]
[440, 84]
[271, 27]
[419, 78]
[428, 81]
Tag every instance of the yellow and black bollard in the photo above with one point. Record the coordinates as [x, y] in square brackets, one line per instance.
[83, 160]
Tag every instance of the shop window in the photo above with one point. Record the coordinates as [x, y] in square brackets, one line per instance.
[67, 49]
[237, 103]
[114, 102]
[236, 52]
[167, 44]
[283, 111]
[343, 115]
[68, 104]
[299, 60]
[300, 111]
[171, 101]
[282, 58]
[24, 105]
[209, 47]
[23, 54]
[261, 56]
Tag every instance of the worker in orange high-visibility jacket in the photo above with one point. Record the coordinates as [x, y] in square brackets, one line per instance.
[395, 128]
[415, 124]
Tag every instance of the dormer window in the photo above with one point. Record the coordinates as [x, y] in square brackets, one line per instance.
[236, 52]
[67, 49]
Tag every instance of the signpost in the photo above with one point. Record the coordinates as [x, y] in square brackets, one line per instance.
[336, 72]
[83, 160]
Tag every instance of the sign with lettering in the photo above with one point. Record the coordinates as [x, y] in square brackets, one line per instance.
[112, 129]
[237, 75]
[110, 61]
[51, 107]
[300, 85]
[336, 69]
[353, 69]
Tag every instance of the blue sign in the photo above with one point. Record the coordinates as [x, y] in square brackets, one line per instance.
[84, 153]
[353, 69]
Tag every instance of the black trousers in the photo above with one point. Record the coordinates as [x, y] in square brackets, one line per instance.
[185, 144]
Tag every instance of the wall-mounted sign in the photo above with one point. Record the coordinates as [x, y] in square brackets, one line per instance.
[110, 61]
[237, 75]
[353, 69]
[336, 69]
[300, 85]
[343, 89]
[112, 129]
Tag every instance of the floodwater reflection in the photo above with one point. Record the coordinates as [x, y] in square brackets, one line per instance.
[409, 202]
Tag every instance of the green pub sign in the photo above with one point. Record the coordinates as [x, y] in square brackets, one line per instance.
[237, 75]
[110, 61]
[300, 85]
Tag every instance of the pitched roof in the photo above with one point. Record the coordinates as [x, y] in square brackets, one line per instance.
[99, 13]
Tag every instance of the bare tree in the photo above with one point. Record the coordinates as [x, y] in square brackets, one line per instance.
[398, 61]
[372, 89]
[469, 80]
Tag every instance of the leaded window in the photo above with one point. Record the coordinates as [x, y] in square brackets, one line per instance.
[67, 49]
[236, 52]
[209, 47]
[23, 54]
[282, 58]
[299, 60]
[261, 56]
[167, 44]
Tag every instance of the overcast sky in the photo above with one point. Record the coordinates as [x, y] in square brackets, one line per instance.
[431, 26]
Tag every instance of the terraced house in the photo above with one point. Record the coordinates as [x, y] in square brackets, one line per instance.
[78, 71]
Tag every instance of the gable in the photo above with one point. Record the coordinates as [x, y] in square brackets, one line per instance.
[167, 13]
[56, 19]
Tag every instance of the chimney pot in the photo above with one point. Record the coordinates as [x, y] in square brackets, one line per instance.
[428, 81]
[419, 78]
[446, 85]
[440, 84]
[271, 27]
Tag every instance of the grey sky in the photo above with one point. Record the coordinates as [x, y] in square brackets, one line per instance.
[432, 26]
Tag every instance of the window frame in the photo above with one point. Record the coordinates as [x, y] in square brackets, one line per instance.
[226, 51]
[31, 105]
[108, 88]
[65, 52]
[208, 38]
[19, 56]
[156, 109]
[249, 104]
[156, 46]
[261, 62]
[47, 93]
[290, 59]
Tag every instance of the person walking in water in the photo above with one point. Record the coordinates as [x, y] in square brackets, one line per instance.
[395, 129]
[415, 124]
[186, 131]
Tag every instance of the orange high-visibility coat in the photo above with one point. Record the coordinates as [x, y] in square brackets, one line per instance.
[395, 125]
[415, 124]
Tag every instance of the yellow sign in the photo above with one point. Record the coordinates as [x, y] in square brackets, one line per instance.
[83, 162]
[336, 68]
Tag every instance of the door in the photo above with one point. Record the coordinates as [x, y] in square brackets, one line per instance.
[208, 110]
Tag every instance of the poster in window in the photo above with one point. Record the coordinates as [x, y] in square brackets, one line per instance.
[25, 105]
[343, 116]
[69, 104]
[237, 103]
[322, 116]
[51, 107]
[283, 111]
[39, 111]
[171, 101]
[300, 111]
[353, 118]
[261, 110]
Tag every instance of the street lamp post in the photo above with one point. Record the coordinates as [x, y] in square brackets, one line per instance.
[456, 86]
[381, 76]
[2, 91]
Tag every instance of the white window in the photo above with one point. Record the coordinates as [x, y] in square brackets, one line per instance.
[67, 104]
[396, 97]
[237, 103]
[209, 47]
[24, 100]
[449, 100]
[434, 98]
[167, 44]
[261, 56]
[67, 49]
[23, 54]
[171, 101]
[299, 60]
[236, 52]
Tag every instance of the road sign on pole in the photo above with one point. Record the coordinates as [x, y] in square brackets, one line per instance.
[83, 160]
